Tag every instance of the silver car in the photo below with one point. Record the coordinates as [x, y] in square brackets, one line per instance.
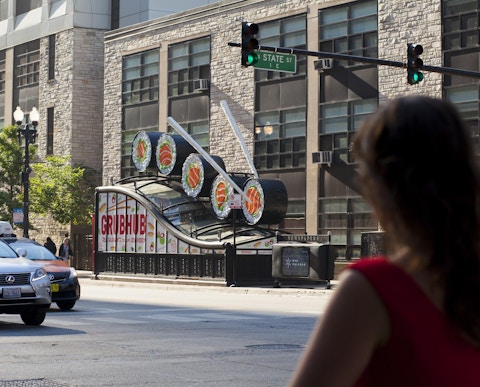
[24, 287]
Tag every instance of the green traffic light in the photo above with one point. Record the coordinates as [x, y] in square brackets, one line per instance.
[252, 58]
[417, 77]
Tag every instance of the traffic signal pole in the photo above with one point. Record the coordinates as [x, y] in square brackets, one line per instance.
[362, 59]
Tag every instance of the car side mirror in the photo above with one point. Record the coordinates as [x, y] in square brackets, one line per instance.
[21, 252]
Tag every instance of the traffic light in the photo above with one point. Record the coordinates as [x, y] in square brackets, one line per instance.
[249, 44]
[414, 63]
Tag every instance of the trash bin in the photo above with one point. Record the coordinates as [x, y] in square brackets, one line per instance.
[310, 261]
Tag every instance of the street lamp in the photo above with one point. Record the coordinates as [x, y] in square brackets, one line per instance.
[30, 133]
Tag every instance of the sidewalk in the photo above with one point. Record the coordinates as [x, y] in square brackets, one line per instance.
[292, 287]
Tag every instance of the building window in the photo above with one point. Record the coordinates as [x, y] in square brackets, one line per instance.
[27, 68]
[280, 120]
[50, 130]
[280, 139]
[51, 56]
[291, 33]
[345, 219]
[280, 101]
[338, 123]
[461, 50]
[139, 101]
[23, 6]
[348, 94]
[3, 10]
[349, 30]
[189, 87]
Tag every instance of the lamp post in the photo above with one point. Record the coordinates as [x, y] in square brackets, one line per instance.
[29, 131]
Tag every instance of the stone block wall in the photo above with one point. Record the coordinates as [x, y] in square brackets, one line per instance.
[399, 22]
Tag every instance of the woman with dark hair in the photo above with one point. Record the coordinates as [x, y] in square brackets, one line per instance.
[412, 319]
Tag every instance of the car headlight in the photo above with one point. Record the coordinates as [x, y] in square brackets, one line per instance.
[39, 273]
[73, 273]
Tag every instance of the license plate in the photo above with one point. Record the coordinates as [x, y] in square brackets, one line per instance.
[12, 292]
[55, 287]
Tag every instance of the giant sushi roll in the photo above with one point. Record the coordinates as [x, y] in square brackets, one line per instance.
[198, 174]
[171, 152]
[143, 147]
[220, 193]
[267, 201]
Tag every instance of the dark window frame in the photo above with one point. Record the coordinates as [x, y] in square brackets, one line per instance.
[51, 56]
[50, 130]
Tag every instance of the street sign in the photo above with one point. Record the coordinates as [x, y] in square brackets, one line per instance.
[275, 61]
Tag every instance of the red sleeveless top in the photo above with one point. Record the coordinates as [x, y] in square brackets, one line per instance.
[424, 348]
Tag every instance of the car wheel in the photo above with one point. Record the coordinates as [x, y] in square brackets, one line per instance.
[66, 305]
[34, 316]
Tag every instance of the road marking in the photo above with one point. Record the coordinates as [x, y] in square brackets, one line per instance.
[114, 320]
[199, 317]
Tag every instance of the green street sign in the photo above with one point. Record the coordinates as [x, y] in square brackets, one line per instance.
[275, 61]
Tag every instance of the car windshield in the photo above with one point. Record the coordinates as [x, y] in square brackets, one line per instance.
[6, 251]
[34, 251]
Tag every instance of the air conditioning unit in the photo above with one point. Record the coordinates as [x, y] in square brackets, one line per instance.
[322, 157]
[324, 64]
[201, 84]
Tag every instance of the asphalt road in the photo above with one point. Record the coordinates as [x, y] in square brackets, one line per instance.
[130, 334]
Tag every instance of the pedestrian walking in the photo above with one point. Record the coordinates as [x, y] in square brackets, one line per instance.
[65, 252]
[412, 318]
[50, 245]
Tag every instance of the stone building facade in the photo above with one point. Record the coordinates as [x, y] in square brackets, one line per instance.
[96, 84]
[325, 198]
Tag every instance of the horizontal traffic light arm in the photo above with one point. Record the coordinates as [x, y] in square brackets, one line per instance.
[362, 59]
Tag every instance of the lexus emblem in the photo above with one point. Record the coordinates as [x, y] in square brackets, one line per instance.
[10, 279]
[51, 276]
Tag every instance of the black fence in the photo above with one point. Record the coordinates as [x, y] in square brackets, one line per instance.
[228, 267]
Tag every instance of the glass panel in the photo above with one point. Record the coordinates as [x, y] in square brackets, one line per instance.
[333, 221]
[363, 25]
[178, 50]
[294, 40]
[299, 144]
[150, 69]
[333, 31]
[179, 63]
[333, 205]
[199, 127]
[150, 57]
[339, 237]
[200, 59]
[299, 160]
[364, 9]
[341, 141]
[273, 162]
[286, 146]
[286, 161]
[341, 45]
[200, 45]
[294, 24]
[468, 21]
[294, 115]
[269, 30]
[273, 147]
[296, 207]
[451, 24]
[333, 15]
[462, 94]
[295, 130]
[131, 61]
[359, 205]
[267, 119]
